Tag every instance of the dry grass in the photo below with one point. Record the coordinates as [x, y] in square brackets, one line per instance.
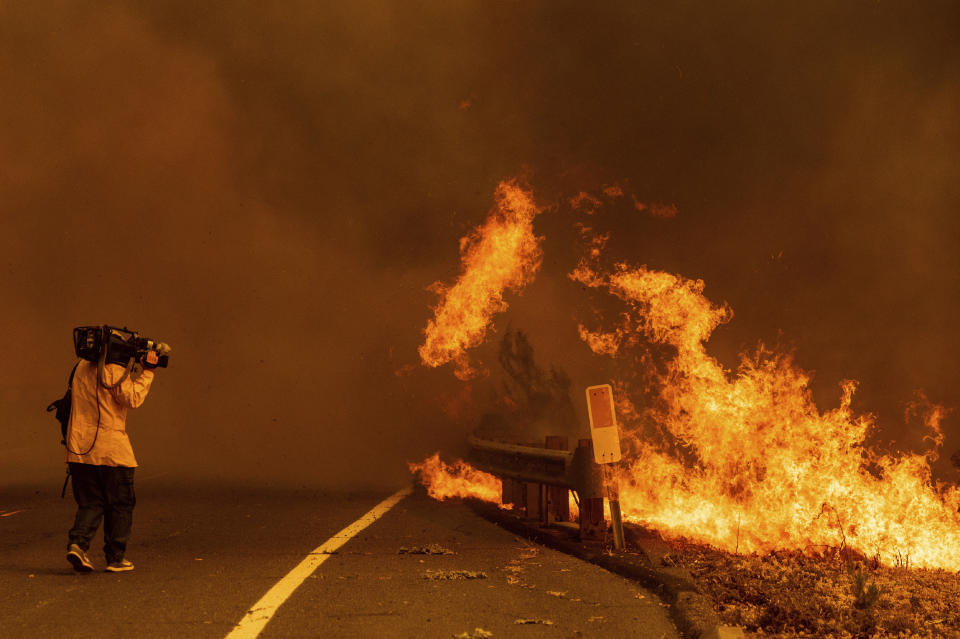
[828, 595]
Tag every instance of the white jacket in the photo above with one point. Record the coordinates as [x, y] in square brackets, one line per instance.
[112, 446]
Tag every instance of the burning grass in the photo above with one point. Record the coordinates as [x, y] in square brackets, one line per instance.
[831, 594]
[459, 479]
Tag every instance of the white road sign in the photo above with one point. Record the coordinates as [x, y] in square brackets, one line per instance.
[603, 424]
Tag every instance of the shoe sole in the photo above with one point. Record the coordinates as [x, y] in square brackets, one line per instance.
[112, 569]
[78, 563]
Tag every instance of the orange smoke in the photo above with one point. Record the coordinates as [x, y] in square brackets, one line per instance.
[754, 465]
[502, 254]
[459, 479]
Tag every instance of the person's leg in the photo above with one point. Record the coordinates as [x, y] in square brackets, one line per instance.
[89, 497]
[120, 500]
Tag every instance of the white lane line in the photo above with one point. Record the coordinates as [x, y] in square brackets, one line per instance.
[260, 613]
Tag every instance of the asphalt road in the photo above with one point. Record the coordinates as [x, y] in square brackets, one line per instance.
[205, 555]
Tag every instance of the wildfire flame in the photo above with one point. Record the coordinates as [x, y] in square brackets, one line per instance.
[445, 481]
[761, 467]
[502, 254]
[743, 460]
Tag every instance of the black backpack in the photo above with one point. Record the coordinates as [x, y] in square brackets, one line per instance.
[62, 406]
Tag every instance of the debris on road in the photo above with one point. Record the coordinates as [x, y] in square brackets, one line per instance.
[429, 549]
[515, 568]
[529, 552]
[478, 633]
[454, 575]
[531, 622]
[513, 576]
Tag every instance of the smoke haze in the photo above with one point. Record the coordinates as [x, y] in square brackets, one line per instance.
[270, 189]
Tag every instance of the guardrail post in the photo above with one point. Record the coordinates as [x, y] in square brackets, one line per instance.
[558, 501]
[533, 495]
[511, 493]
[592, 524]
[536, 478]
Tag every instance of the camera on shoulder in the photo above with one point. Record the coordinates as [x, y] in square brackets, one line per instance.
[117, 346]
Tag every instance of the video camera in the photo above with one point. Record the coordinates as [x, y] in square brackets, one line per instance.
[118, 344]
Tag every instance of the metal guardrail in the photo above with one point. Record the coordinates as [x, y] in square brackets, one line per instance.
[536, 480]
[574, 470]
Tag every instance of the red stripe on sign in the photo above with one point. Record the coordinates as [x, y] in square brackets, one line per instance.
[601, 407]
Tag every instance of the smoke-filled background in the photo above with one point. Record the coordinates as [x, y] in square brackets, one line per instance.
[271, 187]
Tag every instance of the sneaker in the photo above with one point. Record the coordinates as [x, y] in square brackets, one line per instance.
[119, 566]
[77, 557]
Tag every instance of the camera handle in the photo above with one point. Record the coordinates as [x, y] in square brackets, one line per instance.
[100, 364]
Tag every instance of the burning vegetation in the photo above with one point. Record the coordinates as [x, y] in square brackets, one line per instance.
[753, 465]
[740, 460]
[459, 479]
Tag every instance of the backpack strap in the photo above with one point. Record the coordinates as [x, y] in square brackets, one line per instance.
[63, 491]
[72, 373]
[53, 405]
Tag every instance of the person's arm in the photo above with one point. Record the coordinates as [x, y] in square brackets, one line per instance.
[132, 392]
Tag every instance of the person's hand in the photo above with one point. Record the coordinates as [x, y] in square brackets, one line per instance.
[150, 359]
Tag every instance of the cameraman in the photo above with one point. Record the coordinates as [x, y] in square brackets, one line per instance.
[101, 458]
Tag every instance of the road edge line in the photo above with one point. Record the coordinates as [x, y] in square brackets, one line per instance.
[261, 612]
